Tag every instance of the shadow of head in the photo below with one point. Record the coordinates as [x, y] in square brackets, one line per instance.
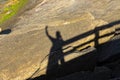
[58, 35]
[7, 31]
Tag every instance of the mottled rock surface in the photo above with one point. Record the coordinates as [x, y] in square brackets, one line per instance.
[82, 23]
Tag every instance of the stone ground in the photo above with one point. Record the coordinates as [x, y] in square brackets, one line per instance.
[82, 24]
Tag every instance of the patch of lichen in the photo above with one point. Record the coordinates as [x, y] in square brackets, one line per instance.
[10, 8]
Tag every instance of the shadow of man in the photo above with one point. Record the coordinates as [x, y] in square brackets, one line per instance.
[56, 55]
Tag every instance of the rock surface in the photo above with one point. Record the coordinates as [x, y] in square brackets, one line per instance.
[82, 23]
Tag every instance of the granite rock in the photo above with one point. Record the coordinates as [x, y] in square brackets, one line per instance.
[80, 23]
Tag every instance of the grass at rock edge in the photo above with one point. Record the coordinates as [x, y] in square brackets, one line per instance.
[10, 8]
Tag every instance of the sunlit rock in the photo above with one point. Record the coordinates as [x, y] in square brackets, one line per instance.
[80, 23]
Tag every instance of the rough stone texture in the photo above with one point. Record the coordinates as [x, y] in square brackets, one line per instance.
[82, 23]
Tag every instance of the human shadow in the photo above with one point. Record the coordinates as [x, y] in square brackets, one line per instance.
[56, 52]
[56, 55]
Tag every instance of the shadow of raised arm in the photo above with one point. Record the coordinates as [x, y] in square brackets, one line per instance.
[48, 35]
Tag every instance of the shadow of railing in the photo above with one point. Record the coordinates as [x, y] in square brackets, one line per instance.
[95, 32]
[80, 59]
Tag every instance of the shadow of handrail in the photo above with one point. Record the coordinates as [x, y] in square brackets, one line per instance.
[84, 35]
[95, 40]
[103, 27]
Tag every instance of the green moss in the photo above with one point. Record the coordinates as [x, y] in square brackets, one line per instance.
[11, 10]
